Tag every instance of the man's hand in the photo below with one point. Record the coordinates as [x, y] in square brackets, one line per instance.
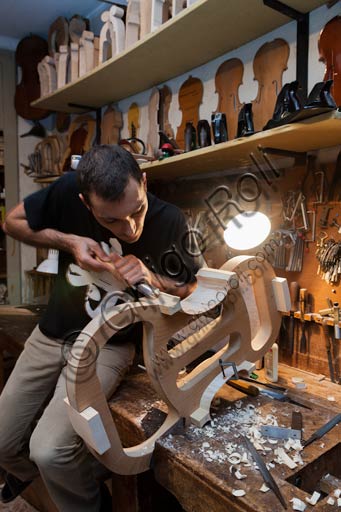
[131, 269]
[88, 254]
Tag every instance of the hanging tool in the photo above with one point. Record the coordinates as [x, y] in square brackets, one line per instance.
[324, 216]
[267, 477]
[294, 293]
[323, 430]
[328, 344]
[303, 340]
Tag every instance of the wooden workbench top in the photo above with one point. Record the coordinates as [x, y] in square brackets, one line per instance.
[193, 463]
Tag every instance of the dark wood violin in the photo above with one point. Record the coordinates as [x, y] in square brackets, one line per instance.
[329, 46]
[29, 52]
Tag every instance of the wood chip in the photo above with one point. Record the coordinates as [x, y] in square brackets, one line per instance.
[238, 492]
[298, 504]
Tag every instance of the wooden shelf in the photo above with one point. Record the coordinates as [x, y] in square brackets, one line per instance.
[204, 31]
[317, 132]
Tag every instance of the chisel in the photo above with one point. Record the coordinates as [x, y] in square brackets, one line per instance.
[294, 291]
[323, 430]
[248, 389]
[328, 345]
[303, 340]
[267, 477]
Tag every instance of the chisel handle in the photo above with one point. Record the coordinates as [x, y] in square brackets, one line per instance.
[248, 389]
[303, 296]
[294, 292]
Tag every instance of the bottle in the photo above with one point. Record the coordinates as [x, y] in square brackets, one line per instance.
[271, 364]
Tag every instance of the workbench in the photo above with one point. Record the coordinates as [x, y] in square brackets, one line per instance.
[192, 463]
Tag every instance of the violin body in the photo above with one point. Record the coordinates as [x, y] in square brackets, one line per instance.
[329, 46]
[30, 51]
[190, 98]
[227, 81]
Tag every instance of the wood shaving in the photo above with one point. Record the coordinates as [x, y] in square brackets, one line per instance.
[313, 499]
[238, 492]
[264, 488]
[298, 504]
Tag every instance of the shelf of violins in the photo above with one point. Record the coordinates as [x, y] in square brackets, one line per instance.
[81, 72]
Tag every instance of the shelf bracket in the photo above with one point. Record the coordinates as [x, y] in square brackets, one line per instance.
[302, 37]
[98, 112]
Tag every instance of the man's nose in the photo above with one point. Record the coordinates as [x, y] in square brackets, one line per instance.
[130, 227]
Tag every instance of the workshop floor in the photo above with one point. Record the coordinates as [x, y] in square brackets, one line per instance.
[17, 505]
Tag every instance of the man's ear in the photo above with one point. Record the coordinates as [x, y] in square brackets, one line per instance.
[144, 181]
[82, 198]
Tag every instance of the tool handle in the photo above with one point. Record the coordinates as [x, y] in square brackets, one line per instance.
[294, 292]
[248, 389]
[303, 296]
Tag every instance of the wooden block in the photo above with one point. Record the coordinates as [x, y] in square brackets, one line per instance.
[74, 47]
[132, 23]
[157, 14]
[89, 426]
[105, 50]
[96, 51]
[117, 29]
[63, 65]
[43, 79]
[88, 43]
[145, 17]
[50, 72]
[282, 294]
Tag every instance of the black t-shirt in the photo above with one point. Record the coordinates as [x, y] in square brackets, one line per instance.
[160, 247]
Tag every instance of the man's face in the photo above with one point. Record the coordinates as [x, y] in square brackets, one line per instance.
[125, 216]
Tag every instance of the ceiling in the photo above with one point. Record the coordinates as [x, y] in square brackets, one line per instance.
[19, 18]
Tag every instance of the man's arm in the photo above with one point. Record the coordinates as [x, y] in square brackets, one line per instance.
[83, 249]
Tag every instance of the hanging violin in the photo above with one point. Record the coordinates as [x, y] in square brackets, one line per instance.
[30, 51]
[329, 46]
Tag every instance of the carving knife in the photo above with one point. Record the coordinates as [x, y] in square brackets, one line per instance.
[267, 477]
[323, 430]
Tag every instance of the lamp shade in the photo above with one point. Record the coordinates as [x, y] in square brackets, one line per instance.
[247, 230]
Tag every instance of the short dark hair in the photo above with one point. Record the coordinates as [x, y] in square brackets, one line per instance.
[105, 170]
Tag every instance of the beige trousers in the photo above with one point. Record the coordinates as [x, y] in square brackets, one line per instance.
[36, 435]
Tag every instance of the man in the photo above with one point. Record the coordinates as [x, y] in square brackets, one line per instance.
[106, 198]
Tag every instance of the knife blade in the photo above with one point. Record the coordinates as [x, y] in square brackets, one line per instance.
[282, 397]
[267, 477]
[323, 430]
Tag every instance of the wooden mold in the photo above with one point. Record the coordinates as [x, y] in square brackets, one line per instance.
[228, 78]
[268, 65]
[246, 326]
